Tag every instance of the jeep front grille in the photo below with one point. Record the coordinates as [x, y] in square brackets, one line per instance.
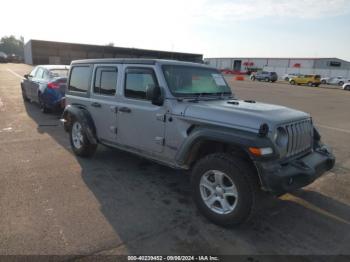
[300, 135]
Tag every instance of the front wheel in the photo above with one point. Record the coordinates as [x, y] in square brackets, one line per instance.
[341, 83]
[42, 105]
[79, 141]
[310, 84]
[223, 189]
[292, 82]
[267, 79]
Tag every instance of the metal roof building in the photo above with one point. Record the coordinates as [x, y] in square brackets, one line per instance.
[48, 52]
[241, 63]
[323, 66]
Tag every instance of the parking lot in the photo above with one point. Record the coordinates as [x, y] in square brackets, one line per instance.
[52, 202]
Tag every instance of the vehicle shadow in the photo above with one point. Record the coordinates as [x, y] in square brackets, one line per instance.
[151, 212]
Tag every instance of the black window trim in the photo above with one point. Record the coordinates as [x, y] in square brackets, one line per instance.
[144, 68]
[75, 92]
[94, 80]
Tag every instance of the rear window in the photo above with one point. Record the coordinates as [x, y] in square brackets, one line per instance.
[79, 79]
[58, 73]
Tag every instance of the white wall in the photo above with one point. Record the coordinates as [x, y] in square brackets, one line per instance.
[308, 71]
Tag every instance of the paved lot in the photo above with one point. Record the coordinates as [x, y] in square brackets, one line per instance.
[54, 203]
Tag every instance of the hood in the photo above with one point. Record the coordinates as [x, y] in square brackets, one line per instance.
[242, 114]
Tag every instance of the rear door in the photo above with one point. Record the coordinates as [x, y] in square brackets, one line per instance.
[103, 101]
[140, 123]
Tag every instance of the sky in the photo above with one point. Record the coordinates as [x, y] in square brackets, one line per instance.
[220, 28]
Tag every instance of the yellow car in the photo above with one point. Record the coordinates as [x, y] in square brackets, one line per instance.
[310, 80]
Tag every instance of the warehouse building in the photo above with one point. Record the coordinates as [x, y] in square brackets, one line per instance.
[47, 52]
[322, 66]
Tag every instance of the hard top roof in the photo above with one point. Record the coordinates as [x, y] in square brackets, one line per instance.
[142, 61]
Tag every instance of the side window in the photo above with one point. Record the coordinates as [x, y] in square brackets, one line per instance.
[106, 80]
[39, 73]
[137, 80]
[79, 79]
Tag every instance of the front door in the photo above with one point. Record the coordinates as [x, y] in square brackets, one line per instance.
[35, 83]
[140, 123]
[103, 101]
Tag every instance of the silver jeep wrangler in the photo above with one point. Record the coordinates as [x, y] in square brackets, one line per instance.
[185, 116]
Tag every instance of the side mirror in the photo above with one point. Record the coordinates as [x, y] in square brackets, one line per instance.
[26, 76]
[154, 94]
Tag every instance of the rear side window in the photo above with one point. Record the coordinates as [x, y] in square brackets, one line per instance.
[79, 79]
[106, 80]
[137, 80]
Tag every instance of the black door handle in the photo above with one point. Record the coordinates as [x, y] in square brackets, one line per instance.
[125, 109]
[95, 104]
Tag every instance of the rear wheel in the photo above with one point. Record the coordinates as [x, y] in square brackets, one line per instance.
[224, 189]
[79, 141]
[42, 105]
[267, 79]
[323, 82]
[310, 84]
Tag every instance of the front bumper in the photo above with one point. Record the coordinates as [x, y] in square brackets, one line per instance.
[280, 178]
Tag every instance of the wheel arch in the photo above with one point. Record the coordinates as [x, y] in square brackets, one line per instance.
[80, 113]
[204, 141]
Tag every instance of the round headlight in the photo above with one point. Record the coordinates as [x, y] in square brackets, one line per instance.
[281, 137]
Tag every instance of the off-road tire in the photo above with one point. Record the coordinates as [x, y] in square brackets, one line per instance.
[43, 107]
[244, 178]
[87, 149]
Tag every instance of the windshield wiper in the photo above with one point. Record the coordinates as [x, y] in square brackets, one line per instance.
[210, 96]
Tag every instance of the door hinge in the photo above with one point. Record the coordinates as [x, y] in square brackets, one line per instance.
[161, 117]
[159, 140]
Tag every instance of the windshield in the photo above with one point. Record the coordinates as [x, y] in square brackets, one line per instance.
[191, 80]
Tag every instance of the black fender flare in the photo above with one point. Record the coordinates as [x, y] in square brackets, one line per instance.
[83, 116]
[239, 138]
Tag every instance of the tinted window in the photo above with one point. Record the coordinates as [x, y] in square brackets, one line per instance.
[79, 79]
[105, 80]
[137, 80]
[39, 73]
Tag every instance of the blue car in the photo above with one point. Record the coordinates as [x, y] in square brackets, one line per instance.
[46, 85]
